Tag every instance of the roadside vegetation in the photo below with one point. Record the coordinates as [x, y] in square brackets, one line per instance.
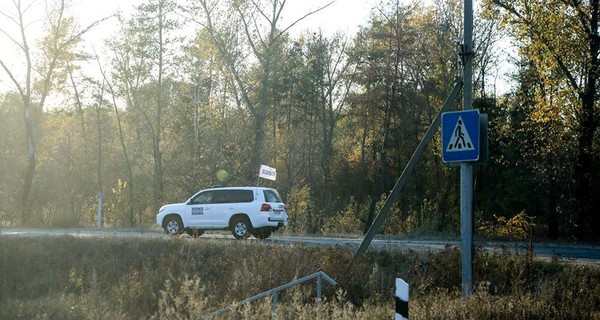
[189, 94]
[175, 278]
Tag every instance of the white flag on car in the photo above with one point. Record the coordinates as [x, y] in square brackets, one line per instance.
[267, 172]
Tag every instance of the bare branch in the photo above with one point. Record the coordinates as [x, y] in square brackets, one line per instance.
[249, 36]
[9, 17]
[260, 37]
[17, 43]
[190, 17]
[77, 37]
[256, 5]
[12, 78]
[230, 63]
[277, 13]
[304, 17]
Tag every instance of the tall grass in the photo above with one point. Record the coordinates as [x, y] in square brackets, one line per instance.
[73, 278]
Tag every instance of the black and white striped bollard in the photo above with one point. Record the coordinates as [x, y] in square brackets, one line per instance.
[401, 300]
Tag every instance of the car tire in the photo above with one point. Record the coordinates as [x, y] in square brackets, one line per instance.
[173, 225]
[262, 234]
[194, 232]
[240, 228]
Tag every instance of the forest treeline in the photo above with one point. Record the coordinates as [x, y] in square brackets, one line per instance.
[188, 89]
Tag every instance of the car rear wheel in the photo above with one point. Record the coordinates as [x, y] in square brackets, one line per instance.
[240, 228]
[173, 225]
[262, 233]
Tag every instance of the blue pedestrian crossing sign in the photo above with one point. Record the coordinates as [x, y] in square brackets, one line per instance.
[460, 136]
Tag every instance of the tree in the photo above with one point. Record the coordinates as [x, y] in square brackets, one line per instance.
[561, 40]
[397, 77]
[264, 40]
[124, 150]
[315, 82]
[12, 133]
[143, 62]
[328, 82]
[56, 50]
[209, 118]
[528, 154]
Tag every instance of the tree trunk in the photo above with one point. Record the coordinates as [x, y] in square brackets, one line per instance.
[586, 215]
[99, 163]
[31, 164]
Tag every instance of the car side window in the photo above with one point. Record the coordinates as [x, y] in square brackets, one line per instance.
[203, 198]
[271, 196]
[233, 196]
[240, 196]
[219, 197]
[225, 196]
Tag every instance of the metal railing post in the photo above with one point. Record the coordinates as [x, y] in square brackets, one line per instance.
[319, 287]
[320, 276]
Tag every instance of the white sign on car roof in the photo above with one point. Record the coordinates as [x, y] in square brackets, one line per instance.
[267, 172]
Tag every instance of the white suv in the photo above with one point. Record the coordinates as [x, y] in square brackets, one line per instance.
[243, 210]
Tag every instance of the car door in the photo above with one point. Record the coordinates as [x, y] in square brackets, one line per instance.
[199, 210]
[222, 207]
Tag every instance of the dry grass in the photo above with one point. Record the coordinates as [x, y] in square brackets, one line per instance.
[73, 278]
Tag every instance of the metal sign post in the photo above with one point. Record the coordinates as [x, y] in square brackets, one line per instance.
[466, 168]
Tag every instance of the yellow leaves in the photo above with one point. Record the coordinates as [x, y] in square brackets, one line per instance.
[117, 206]
[119, 189]
[519, 227]
[75, 278]
[544, 113]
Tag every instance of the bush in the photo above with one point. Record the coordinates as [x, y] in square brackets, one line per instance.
[348, 221]
[73, 278]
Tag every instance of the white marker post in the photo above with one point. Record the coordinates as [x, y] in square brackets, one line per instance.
[100, 198]
[401, 300]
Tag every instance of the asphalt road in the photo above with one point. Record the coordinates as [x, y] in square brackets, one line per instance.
[562, 252]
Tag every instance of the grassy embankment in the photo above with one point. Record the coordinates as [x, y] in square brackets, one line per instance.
[72, 278]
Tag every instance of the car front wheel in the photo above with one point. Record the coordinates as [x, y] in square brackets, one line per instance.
[240, 228]
[173, 225]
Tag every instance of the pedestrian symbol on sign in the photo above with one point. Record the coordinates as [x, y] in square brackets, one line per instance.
[460, 140]
[460, 136]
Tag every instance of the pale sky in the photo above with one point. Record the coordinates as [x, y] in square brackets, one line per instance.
[345, 16]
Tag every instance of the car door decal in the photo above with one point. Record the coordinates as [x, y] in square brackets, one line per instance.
[197, 211]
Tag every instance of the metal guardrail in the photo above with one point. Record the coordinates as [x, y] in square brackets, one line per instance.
[320, 276]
